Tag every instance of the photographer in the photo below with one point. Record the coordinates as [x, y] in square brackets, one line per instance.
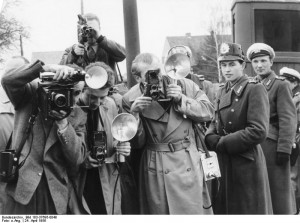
[95, 47]
[52, 151]
[99, 180]
[170, 162]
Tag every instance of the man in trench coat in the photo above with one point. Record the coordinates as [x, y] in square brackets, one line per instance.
[171, 176]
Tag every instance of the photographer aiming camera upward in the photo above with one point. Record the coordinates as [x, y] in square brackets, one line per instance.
[93, 46]
[99, 175]
[53, 149]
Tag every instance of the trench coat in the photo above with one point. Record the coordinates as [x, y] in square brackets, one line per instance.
[244, 112]
[171, 176]
[108, 172]
[52, 156]
[281, 136]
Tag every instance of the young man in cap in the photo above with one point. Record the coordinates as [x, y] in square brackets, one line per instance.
[293, 78]
[282, 127]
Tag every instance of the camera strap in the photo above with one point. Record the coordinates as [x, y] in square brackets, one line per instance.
[31, 121]
[9, 142]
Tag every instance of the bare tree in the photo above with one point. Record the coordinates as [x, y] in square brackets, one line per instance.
[220, 26]
[220, 31]
[11, 30]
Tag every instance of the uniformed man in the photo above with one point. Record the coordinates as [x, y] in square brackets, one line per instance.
[282, 127]
[293, 78]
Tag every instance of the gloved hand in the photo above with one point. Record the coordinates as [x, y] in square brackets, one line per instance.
[212, 141]
[282, 158]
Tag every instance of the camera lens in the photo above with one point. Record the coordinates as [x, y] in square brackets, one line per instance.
[154, 87]
[100, 157]
[60, 100]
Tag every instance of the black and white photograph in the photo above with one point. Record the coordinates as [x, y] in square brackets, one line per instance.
[153, 108]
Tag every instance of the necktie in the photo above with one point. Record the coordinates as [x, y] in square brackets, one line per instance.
[91, 54]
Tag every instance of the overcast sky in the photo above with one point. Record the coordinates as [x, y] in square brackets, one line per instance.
[52, 23]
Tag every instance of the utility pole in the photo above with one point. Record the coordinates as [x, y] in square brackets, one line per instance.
[132, 40]
[81, 7]
[21, 46]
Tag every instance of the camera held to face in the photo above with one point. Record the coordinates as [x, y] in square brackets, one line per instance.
[85, 31]
[152, 85]
[57, 95]
[99, 146]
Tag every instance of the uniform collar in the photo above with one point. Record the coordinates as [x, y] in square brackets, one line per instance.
[239, 86]
[269, 80]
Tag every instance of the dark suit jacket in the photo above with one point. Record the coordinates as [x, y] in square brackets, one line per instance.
[108, 52]
[56, 156]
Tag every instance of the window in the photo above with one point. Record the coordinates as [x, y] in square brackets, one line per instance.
[278, 28]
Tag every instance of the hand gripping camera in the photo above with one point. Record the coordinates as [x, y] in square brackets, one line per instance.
[58, 95]
[84, 31]
[151, 86]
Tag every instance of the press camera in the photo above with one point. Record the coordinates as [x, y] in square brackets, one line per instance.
[57, 95]
[151, 86]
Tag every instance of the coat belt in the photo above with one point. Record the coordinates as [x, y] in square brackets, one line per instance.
[170, 147]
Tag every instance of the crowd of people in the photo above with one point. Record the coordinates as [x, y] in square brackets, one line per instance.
[66, 161]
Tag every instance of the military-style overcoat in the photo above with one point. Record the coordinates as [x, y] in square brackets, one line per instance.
[281, 136]
[244, 111]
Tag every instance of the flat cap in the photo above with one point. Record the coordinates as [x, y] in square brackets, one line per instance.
[230, 51]
[290, 73]
[260, 49]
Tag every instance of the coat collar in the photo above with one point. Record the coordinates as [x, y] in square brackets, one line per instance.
[226, 92]
[268, 81]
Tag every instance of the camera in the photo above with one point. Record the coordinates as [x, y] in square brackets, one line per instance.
[85, 31]
[57, 95]
[151, 86]
[99, 146]
[8, 166]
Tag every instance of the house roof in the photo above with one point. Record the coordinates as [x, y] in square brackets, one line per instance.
[48, 57]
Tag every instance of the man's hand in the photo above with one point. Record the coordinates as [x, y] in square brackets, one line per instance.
[140, 104]
[90, 162]
[61, 71]
[282, 158]
[174, 91]
[60, 118]
[79, 49]
[123, 148]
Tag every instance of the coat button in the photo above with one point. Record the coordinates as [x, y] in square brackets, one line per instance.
[232, 110]
[229, 123]
[236, 99]
[40, 174]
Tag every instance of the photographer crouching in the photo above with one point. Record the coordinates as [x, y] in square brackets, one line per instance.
[99, 179]
[48, 145]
